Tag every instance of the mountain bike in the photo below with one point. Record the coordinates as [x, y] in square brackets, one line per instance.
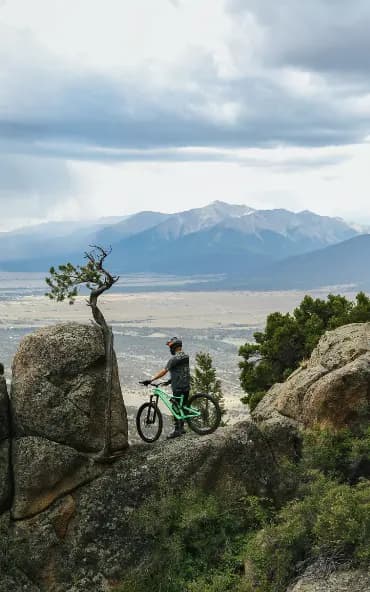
[202, 413]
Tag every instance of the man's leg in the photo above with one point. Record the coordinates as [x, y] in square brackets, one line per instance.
[184, 403]
[177, 423]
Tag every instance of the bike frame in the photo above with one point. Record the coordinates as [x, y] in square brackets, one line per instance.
[158, 393]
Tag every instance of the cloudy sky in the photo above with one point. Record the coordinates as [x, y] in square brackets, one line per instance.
[108, 107]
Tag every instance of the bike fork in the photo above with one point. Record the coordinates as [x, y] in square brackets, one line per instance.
[152, 415]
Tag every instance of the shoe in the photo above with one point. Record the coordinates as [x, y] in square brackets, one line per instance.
[177, 431]
[175, 434]
[182, 427]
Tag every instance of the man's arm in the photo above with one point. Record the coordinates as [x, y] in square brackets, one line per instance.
[159, 374]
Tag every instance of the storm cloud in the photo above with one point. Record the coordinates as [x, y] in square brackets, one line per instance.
[44, 102]
[319, 35]
[269, 75]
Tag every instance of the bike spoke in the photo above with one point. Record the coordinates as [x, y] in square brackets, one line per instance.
[209, 414]
[149, 422]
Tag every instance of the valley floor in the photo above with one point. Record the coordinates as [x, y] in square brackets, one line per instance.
[191, 310]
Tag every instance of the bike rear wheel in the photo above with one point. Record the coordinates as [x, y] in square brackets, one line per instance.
[149, 422]
[210, 414]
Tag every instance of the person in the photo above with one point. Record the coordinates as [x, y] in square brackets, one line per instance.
[178, 367]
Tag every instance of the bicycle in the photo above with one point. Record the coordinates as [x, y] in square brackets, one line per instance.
[202, 413]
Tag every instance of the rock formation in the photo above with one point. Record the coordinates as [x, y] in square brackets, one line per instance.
[58, 403]
[89, 538]
[72, 526]
[331, 389]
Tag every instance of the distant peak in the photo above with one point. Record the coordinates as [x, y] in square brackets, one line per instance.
[229, 206]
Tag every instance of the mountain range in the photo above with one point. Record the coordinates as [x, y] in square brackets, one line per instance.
[256, 249]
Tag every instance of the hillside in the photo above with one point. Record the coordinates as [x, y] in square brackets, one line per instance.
[341, 264]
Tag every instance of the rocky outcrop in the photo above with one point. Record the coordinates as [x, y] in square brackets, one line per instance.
[58, 414]
[332, 389]
[339, 581]
[74, 524]
[88, 539]
[5, 475]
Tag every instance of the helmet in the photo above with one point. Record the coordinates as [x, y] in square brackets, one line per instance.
[173, 344]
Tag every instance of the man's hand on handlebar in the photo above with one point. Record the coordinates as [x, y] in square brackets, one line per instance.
[148, 382]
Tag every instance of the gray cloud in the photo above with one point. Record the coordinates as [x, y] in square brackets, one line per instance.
[321, 35]
[94, 111]
[51, 110]
[100, 154]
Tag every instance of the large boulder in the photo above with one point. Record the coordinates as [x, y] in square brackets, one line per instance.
[89, 539]
[331, 389]
[5, 479]
[58, 401]
[59, 390]
[44, 471]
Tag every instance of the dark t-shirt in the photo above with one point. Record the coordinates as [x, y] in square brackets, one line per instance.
[179, 369]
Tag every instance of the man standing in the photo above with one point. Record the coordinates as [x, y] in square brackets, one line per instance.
[178, 367]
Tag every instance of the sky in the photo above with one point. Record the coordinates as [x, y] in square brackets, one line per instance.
[116, 106]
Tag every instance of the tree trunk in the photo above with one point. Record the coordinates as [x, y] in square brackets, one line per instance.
[109, 351]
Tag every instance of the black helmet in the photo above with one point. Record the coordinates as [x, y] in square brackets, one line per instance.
[173, 344]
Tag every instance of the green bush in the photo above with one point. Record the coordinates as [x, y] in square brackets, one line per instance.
[331, 521]
[335, 453]
[290, 338]
[197, 539]
[199, 542]
[342, 525]
[328, 451]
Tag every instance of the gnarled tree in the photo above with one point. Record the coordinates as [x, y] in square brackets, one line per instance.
[64, 283]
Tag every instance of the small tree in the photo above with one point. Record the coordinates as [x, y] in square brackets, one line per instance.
[205, 380]
[64, 283]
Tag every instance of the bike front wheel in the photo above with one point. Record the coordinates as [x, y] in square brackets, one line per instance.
[209, 417]
[149, 422]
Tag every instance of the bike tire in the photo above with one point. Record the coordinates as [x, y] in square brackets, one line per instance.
[206, 404]
[147, 413]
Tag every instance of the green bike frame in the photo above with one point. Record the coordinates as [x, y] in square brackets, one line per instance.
[178, 411]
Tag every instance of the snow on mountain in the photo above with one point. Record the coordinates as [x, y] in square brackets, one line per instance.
[198, 219]
[295, 226]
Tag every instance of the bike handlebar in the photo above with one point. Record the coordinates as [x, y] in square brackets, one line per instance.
[142, 382]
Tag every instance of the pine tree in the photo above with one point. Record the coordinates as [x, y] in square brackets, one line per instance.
[205, 380]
